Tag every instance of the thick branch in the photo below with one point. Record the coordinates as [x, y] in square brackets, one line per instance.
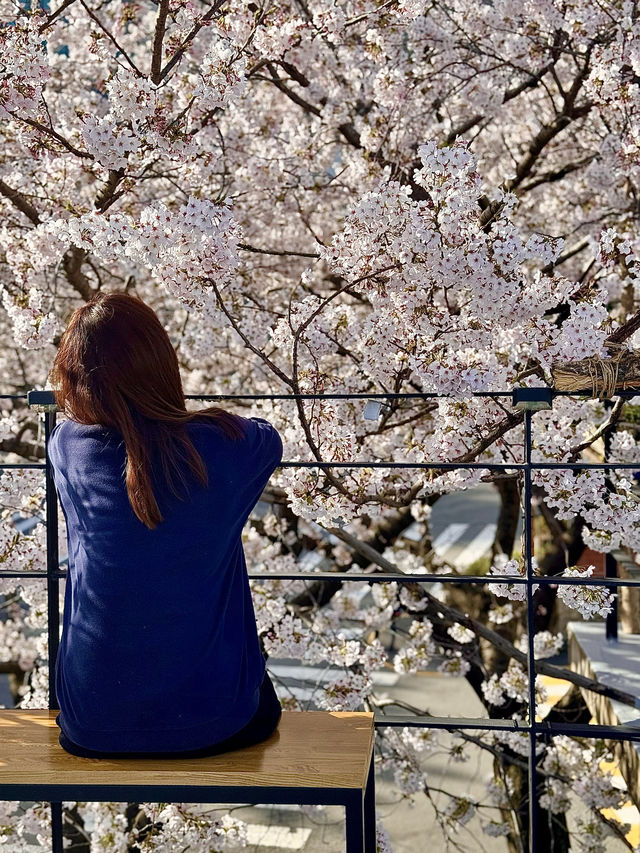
[276, 252]
[20, 202]
[29, 450]
[108, 194]
[158, 38]
[72, 265]
[625, 331]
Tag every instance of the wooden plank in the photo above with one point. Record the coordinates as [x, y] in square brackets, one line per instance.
[308, 749]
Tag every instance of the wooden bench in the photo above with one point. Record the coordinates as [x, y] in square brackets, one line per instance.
[314, 757]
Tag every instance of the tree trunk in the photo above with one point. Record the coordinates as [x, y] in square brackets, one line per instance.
[509, 491]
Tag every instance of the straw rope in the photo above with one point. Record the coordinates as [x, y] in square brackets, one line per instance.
[601, 375]
[605, 371]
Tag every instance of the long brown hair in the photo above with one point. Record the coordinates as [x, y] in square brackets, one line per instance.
[116, 366]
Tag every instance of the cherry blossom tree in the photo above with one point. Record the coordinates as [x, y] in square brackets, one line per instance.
[339, 198]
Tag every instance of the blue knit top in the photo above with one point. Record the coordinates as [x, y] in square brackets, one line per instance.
[159, 648]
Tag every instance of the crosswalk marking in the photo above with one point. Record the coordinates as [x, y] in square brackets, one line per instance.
[413, 532]
[448, 537]
[477, 547]
[283, 837]
[445, 541]
[382, 678]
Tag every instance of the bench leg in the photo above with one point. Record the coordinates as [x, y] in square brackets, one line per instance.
[56, 828]
[354, 813]
[370, 812]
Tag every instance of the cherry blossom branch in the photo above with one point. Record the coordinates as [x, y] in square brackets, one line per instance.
[453, 615]
[625, 331]
[365, 15]
[557, 174]
[49, 131]
[52, 17]
[177, 56]
[273, 367]
[72, 259]
[156, 58]
[602, 430]
[306, 426]
[281, 253]
[529, 83]
[512, 420]
[565, 256]
[111, 38]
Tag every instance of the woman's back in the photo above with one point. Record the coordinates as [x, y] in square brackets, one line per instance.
[159, 648]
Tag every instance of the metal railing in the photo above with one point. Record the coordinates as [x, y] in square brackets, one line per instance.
[528, 401]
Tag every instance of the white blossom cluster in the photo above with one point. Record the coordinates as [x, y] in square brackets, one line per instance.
[24, 70]
[181, 826]
[589, 600]
[33, 326]
[513, 684]
[108, 144]
[221, 76]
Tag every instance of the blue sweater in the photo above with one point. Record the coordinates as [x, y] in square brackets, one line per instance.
[159, 648]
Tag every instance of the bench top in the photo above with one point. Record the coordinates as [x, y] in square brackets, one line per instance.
[309, 749]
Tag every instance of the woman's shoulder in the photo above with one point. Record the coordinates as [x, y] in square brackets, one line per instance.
[69, 436]
[253, 432]
[67, 429]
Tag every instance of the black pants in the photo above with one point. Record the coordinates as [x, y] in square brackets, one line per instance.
[259, 727]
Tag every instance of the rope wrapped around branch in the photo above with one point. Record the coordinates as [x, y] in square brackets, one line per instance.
[601, 376]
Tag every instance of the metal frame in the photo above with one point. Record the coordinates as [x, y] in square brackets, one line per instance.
[359, 805]
[360, 808]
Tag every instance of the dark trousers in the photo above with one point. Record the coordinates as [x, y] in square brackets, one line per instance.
[259, 727]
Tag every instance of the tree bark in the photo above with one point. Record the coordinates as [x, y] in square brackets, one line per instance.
[509, 491]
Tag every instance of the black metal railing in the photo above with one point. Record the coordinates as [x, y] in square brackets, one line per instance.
[527, 400]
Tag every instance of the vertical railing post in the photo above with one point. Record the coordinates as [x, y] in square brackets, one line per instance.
[610, 564]
[530, 400]
[528, 547]
[611, 571]
[43, 401]
[53, 610]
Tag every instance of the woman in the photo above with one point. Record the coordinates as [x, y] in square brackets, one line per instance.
[159, 655]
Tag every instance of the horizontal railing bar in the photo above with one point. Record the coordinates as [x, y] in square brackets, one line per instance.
[445, 466]
[388, 577]
[199, 791]
[619, 732]
[23, 465]
[478, 466]
[418, 395]
[374, 395]
[361, 395]
[382, 721]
